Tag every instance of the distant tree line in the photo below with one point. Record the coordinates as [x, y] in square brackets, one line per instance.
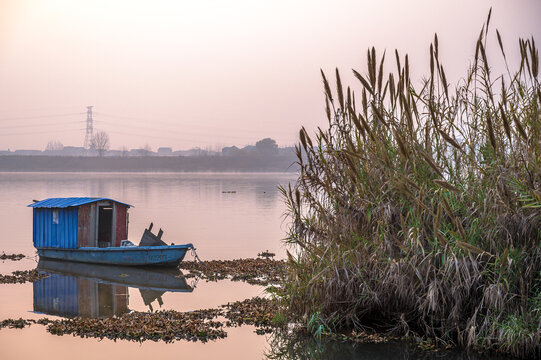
[250, 162]
[100, 146]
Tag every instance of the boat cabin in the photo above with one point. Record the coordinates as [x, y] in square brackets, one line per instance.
[71, 223]
[69, 296]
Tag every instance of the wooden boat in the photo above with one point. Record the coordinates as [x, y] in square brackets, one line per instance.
[98, 291]
[95, 230]
[157, 279]
[169, 255]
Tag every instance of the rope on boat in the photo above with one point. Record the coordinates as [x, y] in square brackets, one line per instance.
[196, 257]
[33, 258]
[194, 282]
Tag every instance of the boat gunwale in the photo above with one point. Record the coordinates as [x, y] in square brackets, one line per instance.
[123, 248]
[45, 270]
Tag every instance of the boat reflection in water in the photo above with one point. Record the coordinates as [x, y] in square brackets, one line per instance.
[90, 290]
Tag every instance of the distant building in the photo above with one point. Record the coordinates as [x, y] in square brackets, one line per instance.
[249, 148]
[165, 151]
[140, 152]
[231, 151]
[114, 153]
[52, 152]
[192, 152]
[135, 152]
[290, 150]
[27, 152]
[73, 151]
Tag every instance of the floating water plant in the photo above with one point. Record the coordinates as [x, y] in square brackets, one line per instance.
[14, 257]
[168, 326]
[22, 276]
[253, 271]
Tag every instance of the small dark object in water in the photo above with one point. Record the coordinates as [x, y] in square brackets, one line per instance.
[266, 254]
[13, 257]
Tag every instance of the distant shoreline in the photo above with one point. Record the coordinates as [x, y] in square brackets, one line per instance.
[244, 163]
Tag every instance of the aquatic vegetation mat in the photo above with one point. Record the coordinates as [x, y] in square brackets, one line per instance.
[418, 210]
[256, 311]
[14, 323]
[14, 257]
[198, 325]
[22, 323]
[138, 326]
[22, 276]
[253, 271]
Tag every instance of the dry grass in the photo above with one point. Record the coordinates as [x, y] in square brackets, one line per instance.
[419, 209]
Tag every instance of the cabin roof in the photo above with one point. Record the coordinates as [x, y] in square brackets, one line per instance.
[70, 201]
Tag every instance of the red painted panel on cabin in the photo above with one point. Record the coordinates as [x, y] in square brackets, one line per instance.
[121, 225]
[84, 297]
[83, 229]
[121, 299]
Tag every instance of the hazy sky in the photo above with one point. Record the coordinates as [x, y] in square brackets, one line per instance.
[211, 73]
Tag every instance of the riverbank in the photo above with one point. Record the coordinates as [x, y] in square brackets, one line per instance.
[244, 163]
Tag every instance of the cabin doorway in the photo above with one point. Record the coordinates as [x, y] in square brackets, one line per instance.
[106, 300]
[105, 226]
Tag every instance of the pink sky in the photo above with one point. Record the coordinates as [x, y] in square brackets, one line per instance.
[212, 73]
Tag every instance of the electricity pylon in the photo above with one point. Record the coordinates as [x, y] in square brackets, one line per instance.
[89, 127]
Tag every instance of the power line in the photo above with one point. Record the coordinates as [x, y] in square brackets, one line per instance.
[89, 129]
[40, 132]
[38, 117]
[193, 125]
[107, 125]
[40, 125]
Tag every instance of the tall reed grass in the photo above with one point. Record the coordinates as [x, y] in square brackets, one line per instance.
[418, 210]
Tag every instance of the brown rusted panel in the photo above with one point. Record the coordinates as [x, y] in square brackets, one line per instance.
[84, 297]
[121, 299]
[121, 225]
[83, 227]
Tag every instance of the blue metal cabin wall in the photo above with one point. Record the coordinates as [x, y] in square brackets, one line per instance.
[62, 235]
[57, 295]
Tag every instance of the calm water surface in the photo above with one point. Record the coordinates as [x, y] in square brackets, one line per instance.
[190, 208]
[226, 216]
[196, 208]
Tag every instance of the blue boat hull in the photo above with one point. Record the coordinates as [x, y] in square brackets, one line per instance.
[170, 255]
[146, 278]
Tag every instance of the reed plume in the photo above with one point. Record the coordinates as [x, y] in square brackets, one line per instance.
[418, 210]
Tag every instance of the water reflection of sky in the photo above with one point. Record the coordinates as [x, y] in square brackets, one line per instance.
[89, 290]
[226, 215]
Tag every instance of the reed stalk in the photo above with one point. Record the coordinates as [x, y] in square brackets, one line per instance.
[418, 210]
